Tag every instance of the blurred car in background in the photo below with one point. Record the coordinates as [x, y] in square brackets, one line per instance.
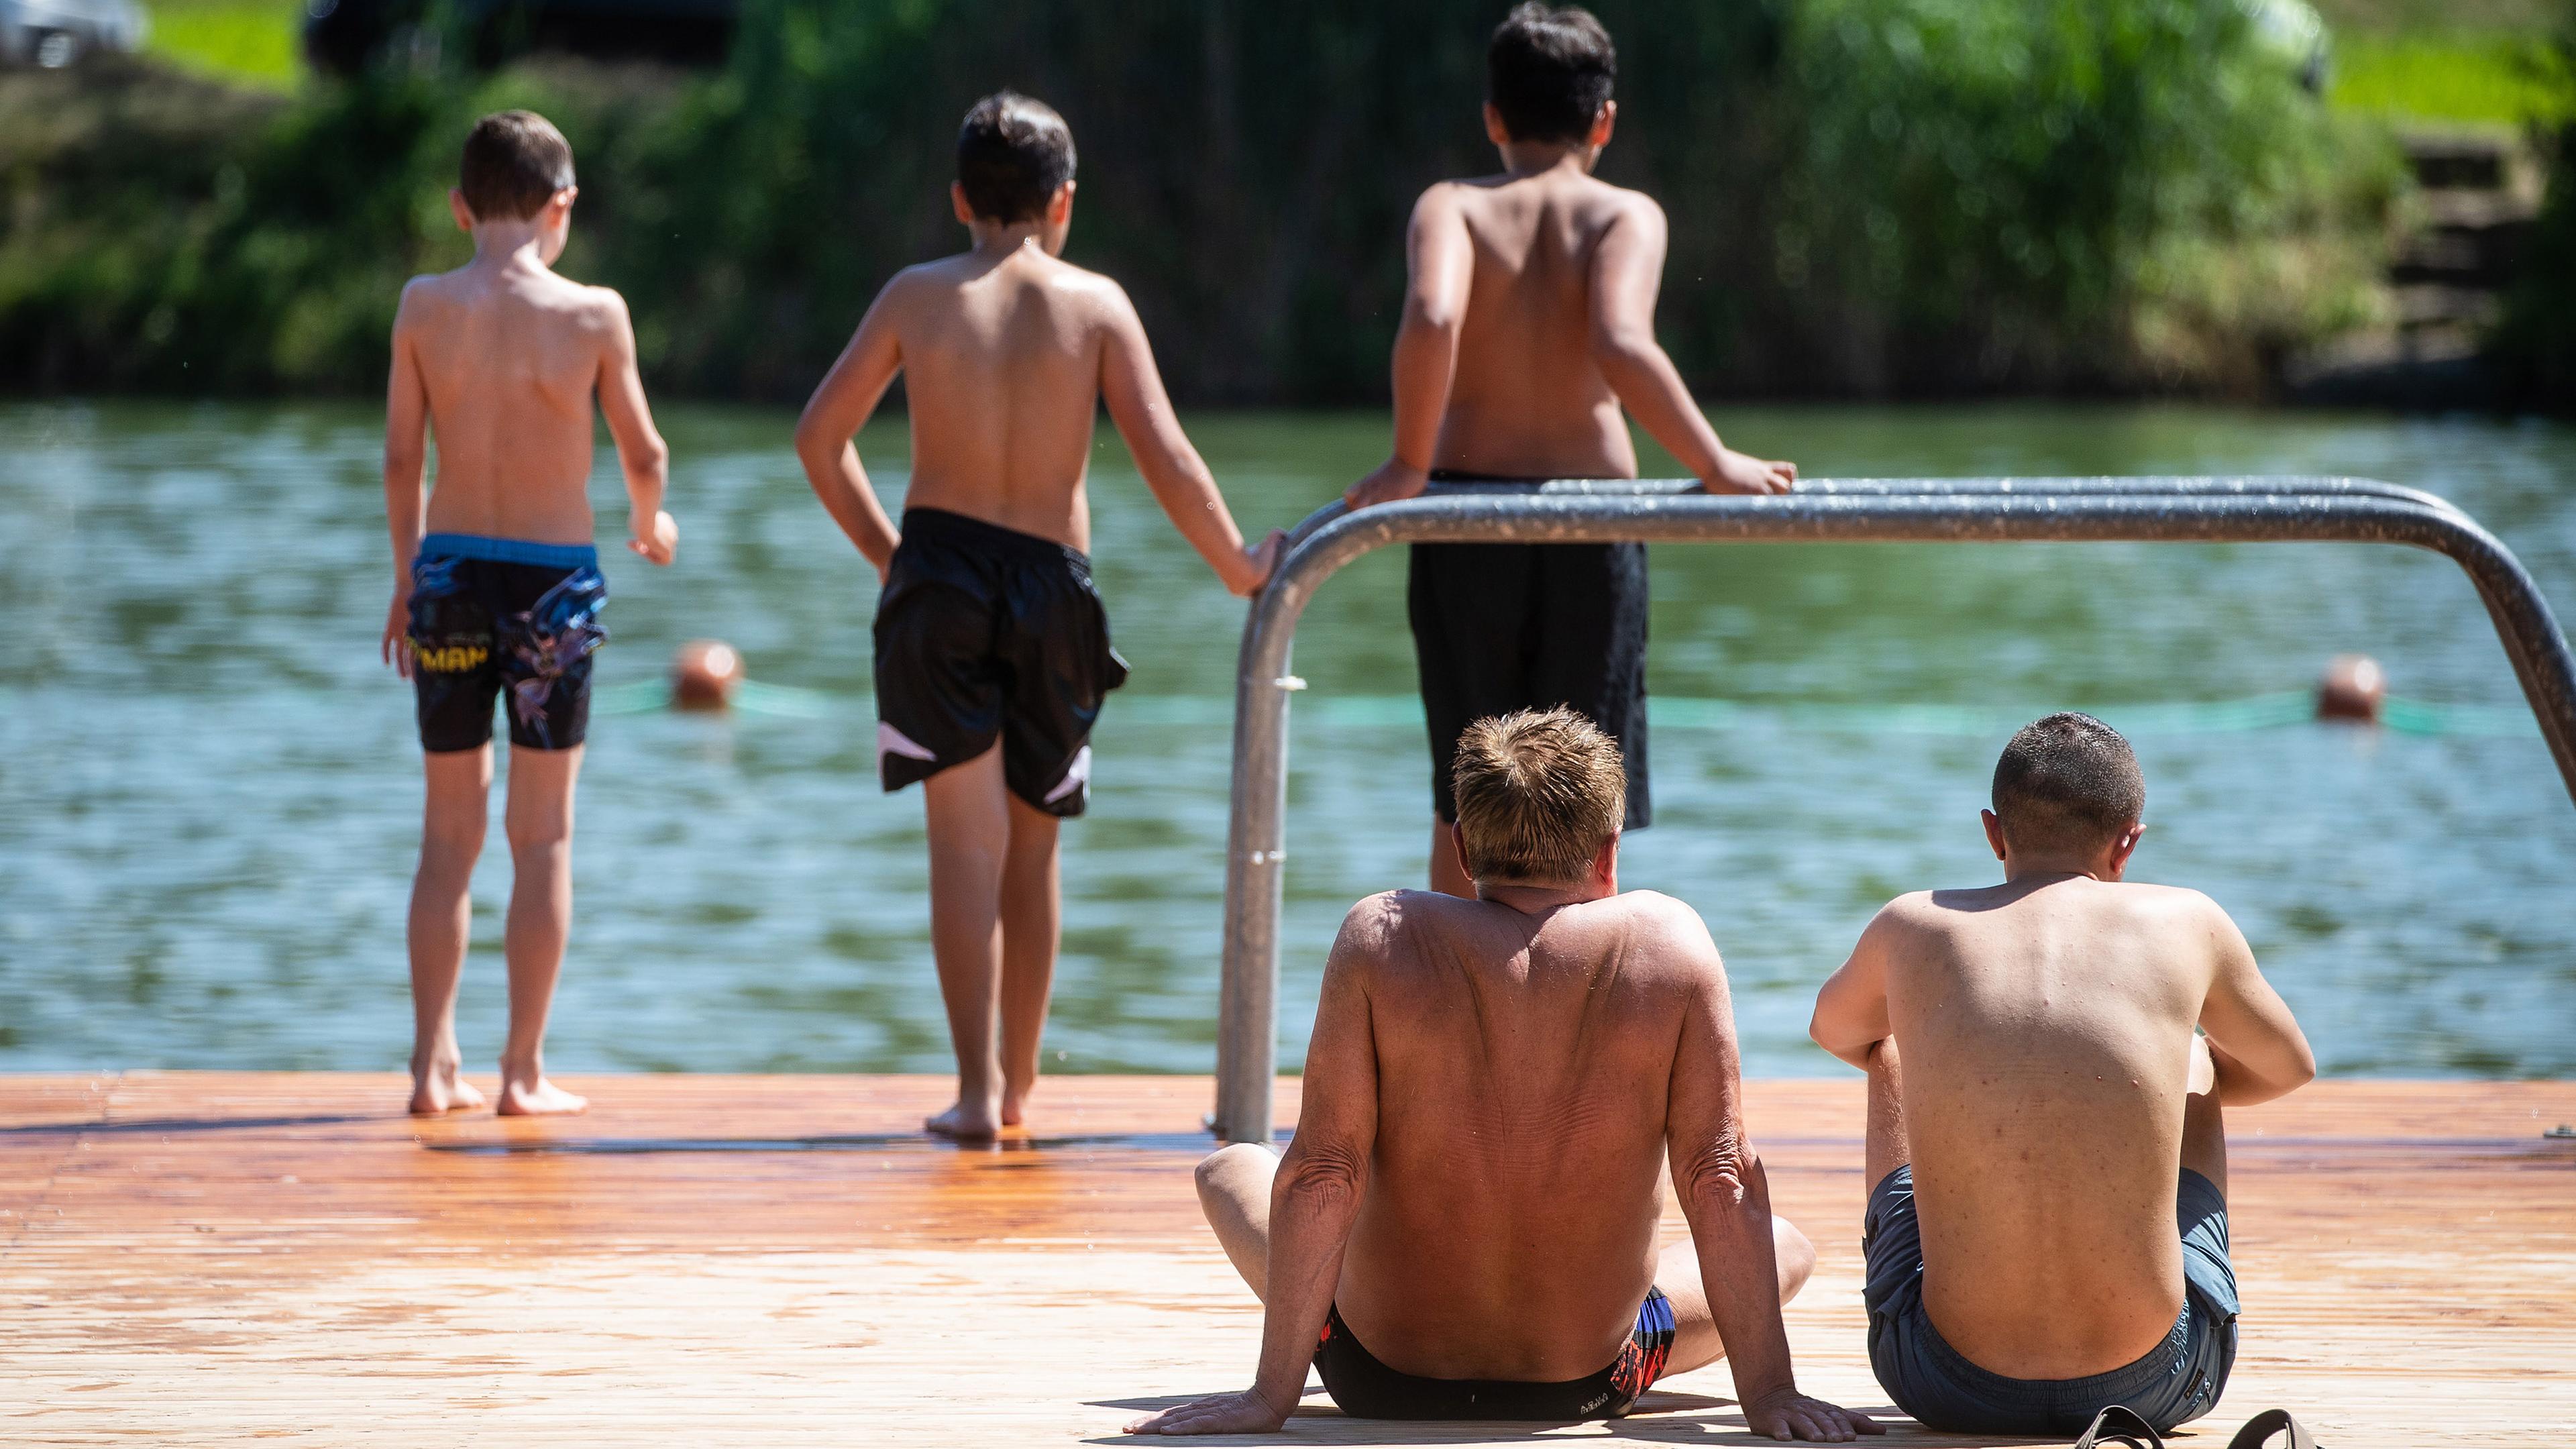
[56, 33]
[346, 36]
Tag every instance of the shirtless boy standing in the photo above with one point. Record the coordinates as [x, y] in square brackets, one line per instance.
[1528, 324]
[500, 359]
[2047, 1234]
[992, 649]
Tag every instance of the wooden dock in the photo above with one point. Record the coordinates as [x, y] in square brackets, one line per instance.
[204, 1259]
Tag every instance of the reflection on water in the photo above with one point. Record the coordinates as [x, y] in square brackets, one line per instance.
[208, 786]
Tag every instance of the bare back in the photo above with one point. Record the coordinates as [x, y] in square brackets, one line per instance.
[1002, 361]
[1528, 397]
[1524, 1065]
[508, 358]
[2046, 1036]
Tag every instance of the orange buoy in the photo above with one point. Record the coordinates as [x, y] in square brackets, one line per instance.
[704, 675]
[2354, 687]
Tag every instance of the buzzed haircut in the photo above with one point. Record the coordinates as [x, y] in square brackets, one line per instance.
[2067, 782]
[1539, 793]
[515, 162]
[1012, 154]
[1548, 71]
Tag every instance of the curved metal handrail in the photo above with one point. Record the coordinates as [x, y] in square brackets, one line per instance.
[2036, 486]
[2185, 510]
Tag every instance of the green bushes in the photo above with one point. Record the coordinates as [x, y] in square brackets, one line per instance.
[2043, 190]
[2537, 341]
[1868, 196]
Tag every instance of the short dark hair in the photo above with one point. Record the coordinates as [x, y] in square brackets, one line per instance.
[515, 162]
[1539, 793]
[1548, 71]
[2067, 782]
[1012, 154]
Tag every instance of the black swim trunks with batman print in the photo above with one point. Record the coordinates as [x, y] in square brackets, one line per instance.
[503, 617]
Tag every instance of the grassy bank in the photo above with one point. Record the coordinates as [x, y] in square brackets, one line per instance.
[2499, 78]
[249, 43]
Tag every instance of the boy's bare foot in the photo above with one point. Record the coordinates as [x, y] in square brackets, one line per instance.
[440, 1090]
[969, 1123]
[1013, 1110]
[539, 1098]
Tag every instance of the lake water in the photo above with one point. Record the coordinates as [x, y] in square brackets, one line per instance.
[209, 786]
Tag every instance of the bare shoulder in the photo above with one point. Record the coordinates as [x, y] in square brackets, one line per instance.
[605, 302]
[919, 285]
[1442, 199]
[600, 309]
[1921, 910]
[1671, 931]
[1097, 292]
[2181, 902]
[1380, 918]
[426, 293]
[1920, 922]
[2177, 908]
[1605, 204]
[1653, 910]
[1371, 929]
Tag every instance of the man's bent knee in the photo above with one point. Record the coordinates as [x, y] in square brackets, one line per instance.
[1227, 1162]
[1796, 1253]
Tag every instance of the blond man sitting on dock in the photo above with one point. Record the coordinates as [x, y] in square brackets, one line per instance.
[2047, 1231]
[1464, 1226]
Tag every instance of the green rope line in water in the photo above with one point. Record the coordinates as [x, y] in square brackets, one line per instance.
[2284, 710]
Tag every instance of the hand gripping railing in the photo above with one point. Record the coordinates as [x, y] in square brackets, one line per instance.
[1911, 510]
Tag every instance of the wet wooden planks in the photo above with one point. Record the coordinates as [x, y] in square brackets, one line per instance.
[221, 1258]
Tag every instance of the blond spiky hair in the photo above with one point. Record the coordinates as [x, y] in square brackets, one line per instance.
[1539, 792]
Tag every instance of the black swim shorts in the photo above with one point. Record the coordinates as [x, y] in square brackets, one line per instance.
[1368, 1389]
[986, 632]
[1499, 627]
[2177, 1381]
[491, 616]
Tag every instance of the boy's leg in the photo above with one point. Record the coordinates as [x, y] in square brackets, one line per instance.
[969, 816]
[1234, 1192]
[539, 821]
[2204, 1130]
[1885, 1149]
[1469, 605]
[1696, 1343]
[451, 837]
[1031, 916]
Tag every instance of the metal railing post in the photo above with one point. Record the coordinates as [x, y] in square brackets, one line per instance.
[1968, 510]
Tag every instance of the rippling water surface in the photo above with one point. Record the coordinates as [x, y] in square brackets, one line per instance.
[209, 787]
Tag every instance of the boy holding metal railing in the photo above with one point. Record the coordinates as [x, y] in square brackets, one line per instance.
[1529, 323]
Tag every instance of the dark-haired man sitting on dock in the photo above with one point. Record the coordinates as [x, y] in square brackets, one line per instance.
[2047, 1234]
[1464, 1227]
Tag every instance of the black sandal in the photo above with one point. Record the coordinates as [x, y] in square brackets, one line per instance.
[2120, 1424]
[2258, 1431]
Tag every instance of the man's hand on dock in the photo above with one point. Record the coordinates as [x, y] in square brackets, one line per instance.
[1789, 1414]
[1243, 1413]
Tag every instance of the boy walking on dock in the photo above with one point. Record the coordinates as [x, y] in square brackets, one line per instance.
[992, 647]
[1528, 324]
[501, 598]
